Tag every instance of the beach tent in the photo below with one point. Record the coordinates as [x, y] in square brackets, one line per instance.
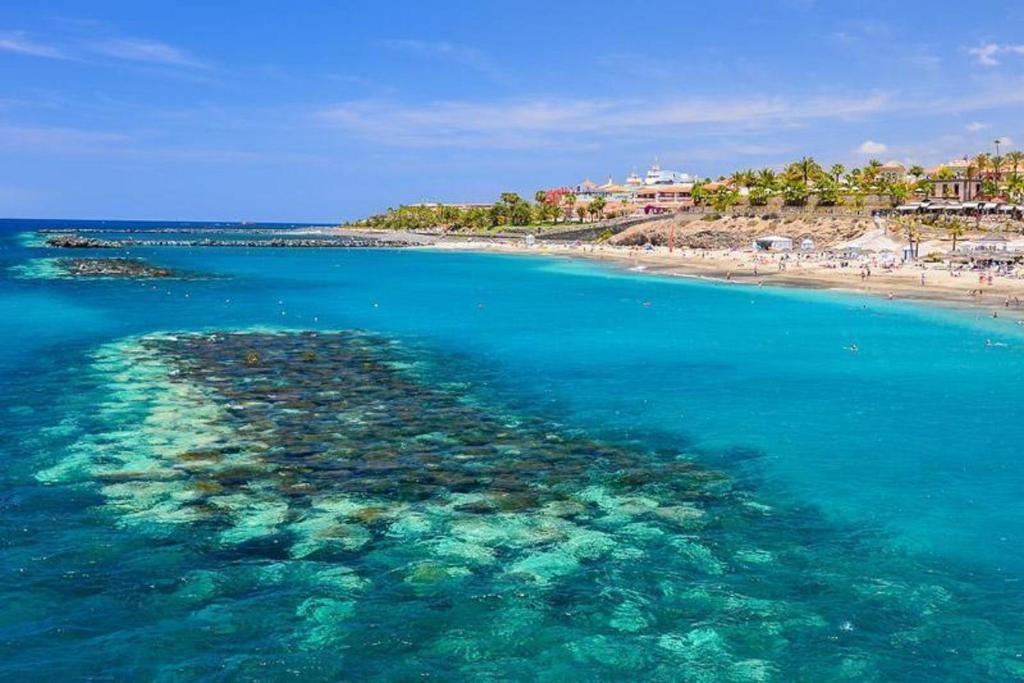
[773, 243]
[872, 240]
[989, 243]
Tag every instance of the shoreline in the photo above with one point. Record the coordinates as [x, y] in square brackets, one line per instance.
[965, 290]
[941, 288]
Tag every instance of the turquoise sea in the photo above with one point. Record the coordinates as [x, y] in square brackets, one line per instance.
[375, 465]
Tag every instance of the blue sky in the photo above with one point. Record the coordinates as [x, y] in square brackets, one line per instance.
[251, 111]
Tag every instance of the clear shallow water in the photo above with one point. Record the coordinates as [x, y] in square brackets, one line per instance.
[868, 527]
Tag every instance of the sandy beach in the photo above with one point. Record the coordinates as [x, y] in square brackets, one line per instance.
[966, 288]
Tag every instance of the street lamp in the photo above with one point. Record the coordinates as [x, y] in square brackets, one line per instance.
[996, 143]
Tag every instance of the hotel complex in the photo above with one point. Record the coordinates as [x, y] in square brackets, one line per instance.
[659, 190]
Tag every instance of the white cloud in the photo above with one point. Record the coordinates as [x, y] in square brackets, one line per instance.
[57, 140]
[987, 53]
[452, 52]
[871, 147]
[975, 126]
[17, 42]
[142, 50]
[523, 122]
[145, 50]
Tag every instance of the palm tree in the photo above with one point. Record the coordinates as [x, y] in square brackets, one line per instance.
[916, 171]
[956, 228]
[853, 177]
[738, 179]
[540, 196]
[868, 180]
[897, 191]
[913, 232]
[1015, 159]
[570, 202]
[837, 171]
[997, 166]
[971, 173]
[981, 163]
[767, 179]
[794, 192]
[806, 169]
[1015, 187]
[699, 194]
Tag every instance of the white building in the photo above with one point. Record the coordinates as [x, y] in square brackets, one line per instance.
[658, 176]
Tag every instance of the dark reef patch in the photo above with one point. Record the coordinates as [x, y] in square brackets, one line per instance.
[327, 483]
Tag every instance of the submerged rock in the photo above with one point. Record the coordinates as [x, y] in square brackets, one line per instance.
[398, 513]
[94, 269]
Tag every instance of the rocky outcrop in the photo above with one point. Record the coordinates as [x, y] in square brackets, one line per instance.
[112, 267]
[70, 241]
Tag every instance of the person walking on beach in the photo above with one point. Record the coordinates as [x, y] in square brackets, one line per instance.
[922, 279]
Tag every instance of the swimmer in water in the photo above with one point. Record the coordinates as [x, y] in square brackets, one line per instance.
[852, 348]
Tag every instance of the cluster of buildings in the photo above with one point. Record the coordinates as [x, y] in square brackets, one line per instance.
[661, 190]
[958, 179]
[657, 190]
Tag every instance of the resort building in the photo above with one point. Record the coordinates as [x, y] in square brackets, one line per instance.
[892, 172]
[588, 188]
[662, 195]
[657, 189]
[956, 179]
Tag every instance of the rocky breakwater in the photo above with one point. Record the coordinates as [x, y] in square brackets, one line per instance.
[69, 241]
[80, 242]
